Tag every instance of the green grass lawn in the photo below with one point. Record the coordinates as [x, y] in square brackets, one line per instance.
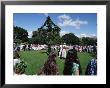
[36, 59]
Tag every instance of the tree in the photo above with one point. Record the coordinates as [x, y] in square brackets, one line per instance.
[48, 33]
[70, 38]
[20, 34]
[89, 41]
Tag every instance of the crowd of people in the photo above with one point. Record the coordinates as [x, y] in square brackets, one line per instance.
[23, 47]
[72, 64]
[63, 49]
[60, 48]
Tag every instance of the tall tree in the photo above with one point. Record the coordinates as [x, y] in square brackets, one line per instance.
[48, 33]
[20, 34]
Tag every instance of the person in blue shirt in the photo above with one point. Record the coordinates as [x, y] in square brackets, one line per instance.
[92, 66]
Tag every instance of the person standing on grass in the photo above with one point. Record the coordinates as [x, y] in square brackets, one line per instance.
[24, 47]
[50, 67]
[72, 64]
[92, 67]
[94, 49]
[60, 51]
[63, 55]
[29, 47]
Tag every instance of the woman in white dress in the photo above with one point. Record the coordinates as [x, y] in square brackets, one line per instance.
[61, 47]
[63, 53]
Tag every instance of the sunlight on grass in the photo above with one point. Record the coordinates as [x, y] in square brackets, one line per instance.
[36, 59]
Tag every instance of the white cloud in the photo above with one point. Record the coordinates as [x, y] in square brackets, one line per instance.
[30, 34]
[86, 35]
[83, 35]
[64, 17]
[92, 35]
[77, 35]
[63, 33]
[65, 20]
[46, 14]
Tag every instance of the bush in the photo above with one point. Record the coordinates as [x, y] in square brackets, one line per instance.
[20, 67]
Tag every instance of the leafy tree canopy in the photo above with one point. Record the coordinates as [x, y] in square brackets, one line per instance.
[20, 34]
[48, 33]
[70, 38]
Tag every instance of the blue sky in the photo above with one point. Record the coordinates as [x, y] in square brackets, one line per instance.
[81, 24]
